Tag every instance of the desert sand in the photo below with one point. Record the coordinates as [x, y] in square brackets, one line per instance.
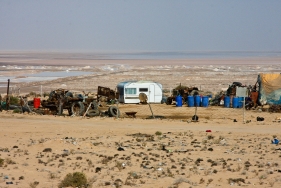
[40, 150]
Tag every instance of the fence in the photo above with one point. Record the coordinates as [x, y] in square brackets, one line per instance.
[215, 114]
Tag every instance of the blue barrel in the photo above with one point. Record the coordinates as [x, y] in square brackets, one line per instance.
[205, 101]
[226, 101]
[197, 100]
[179, 101]
[235, 102]
[240, 102]
[190, 101]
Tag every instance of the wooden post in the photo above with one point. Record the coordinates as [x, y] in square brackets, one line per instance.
[8, 99]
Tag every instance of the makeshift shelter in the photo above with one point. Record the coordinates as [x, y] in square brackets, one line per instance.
[129, 91]
[269, 88]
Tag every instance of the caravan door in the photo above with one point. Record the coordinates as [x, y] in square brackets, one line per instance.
[151, 97]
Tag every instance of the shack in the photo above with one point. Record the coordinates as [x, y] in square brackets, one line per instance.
[269, 88]
[129, 91]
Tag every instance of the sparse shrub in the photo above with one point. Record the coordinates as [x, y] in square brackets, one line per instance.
[210, 137]
[34, 184]
[1, 162]
[32, 93]
[52, 175]
[210, 181]
[17, 111]
[272, 182]
[201, 181]
[76, 179]
[158, 133]
[45, 94]
[21, 178]
[10, 161]
[236, 180]
[119, 165]
[104, 160]
[47, 150]
[181, 180]
[14, 100]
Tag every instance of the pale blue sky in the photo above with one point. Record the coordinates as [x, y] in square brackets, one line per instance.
[140, 25]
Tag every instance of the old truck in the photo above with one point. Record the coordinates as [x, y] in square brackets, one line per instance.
[78, 105]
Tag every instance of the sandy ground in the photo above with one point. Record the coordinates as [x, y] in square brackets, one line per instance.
[45, 148]
[40, 150]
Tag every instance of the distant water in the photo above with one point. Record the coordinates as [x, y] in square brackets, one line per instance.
[135, 55]
[42, 76]
[191, 55]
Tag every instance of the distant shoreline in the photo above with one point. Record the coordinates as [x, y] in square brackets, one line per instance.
[56, 59]
[137, 62]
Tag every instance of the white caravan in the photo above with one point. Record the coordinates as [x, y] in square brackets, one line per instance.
[129, 91]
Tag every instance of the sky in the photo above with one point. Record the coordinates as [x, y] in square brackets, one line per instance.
[140, 25]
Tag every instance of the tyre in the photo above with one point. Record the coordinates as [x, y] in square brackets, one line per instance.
[51, 95]
[113, 111]
[93, 113]
[194, 92]
[69, 94]
[25, 109]
[94, 105]
[169, 101]
[77, 108]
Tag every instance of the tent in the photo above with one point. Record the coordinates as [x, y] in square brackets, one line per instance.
[269, 88]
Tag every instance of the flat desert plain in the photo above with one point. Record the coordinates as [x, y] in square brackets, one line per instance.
[40, 150]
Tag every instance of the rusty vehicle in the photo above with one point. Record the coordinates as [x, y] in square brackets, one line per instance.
[61, 99]
[106, 95]
[78, 105]
[183, 92]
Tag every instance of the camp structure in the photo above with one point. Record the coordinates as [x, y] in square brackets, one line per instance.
[269, 88]
[129, 91]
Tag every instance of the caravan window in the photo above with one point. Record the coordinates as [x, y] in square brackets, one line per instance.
[143, 89]
[131, 91]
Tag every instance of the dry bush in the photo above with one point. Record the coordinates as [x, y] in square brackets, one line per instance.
[10, 161]
[76, 179]
[34, 184]
[181, 180]
[2, 162]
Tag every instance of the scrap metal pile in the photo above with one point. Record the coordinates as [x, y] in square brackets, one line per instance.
[79, 105]
[275, 108]
[250, 102]
[61, 99]
[183, 91]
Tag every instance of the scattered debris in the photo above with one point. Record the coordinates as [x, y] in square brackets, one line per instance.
[275, 141]
[260, 118]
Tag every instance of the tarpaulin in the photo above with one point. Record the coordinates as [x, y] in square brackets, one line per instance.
[270, 88]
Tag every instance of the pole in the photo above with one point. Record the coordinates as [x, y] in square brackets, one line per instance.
[7, 99]
[87, 110]
[41, 91]
[244, 110]
[151, 111]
